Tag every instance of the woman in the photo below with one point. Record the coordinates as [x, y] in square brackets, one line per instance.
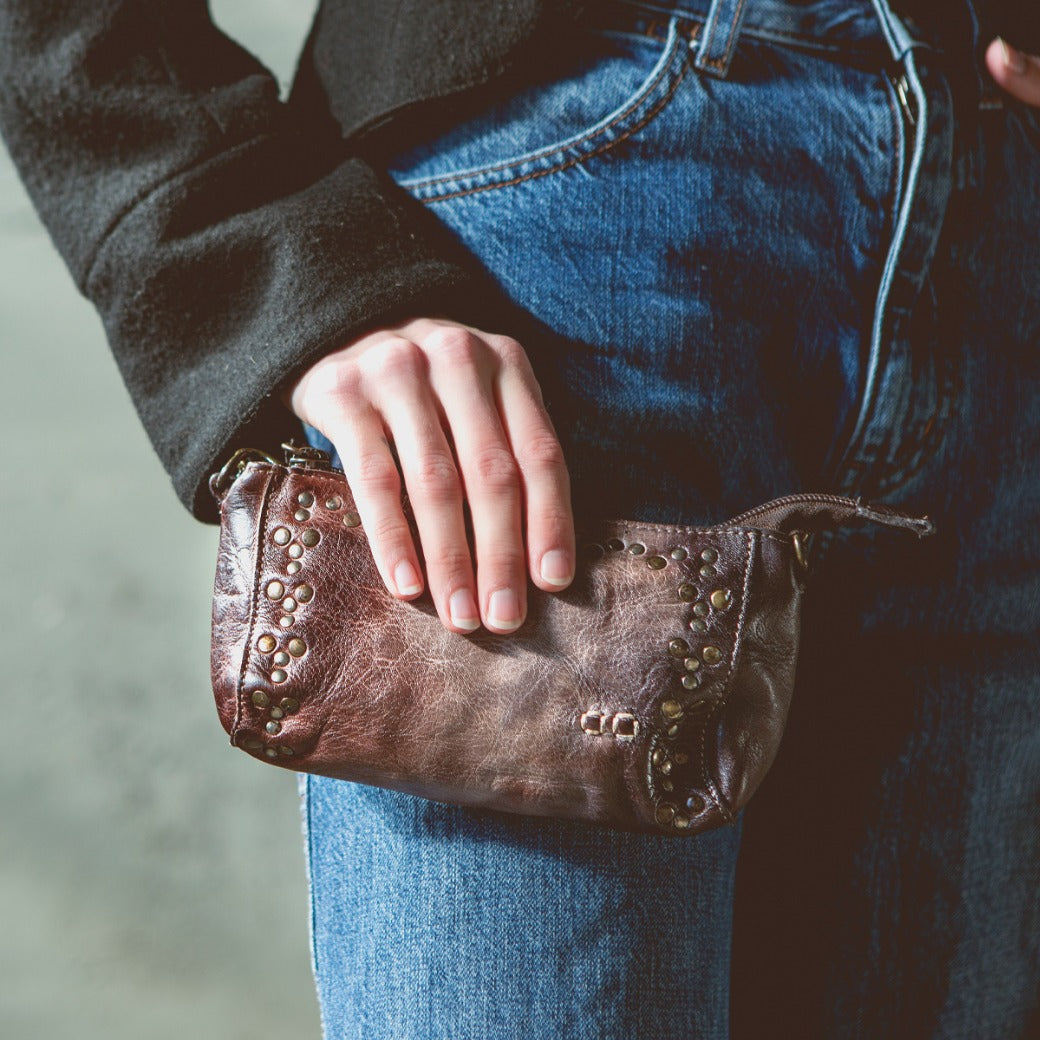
[697, 255]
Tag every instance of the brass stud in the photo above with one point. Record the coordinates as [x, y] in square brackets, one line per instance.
[695, 803]
[687, 592]
[351, 520]
[615, 545]
[288, 604]
[800, 552]
[295, 551]
[692, 664]
[275, 590]
[286, 750]
[681, 758]
[678, 647]
[280, 658]
[276, 712]
[672, 732]
[281, 536]
[304, 593]
[698, 625]
[658, 756]
[252, 744]
[637, 548]
[294, 567]
[681, 822]
[260, 699]
[671, 709]
[271, 752]
[665, 813]
[678, 554]
[701, 609]
[721, 599]
[286, 620]
[306, 499]
[655, 563]
[310, 537]
[279, 675]
[666, 767]
[273, 728]
[707, 571]
[667, 785]
[265, 644]
[709, 555]
[690, 681]
[711, 655]
[289, 704]
[302, 514]
[297, 647]
[335, 502]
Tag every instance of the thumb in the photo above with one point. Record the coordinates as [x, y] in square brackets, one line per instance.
[1015, 72]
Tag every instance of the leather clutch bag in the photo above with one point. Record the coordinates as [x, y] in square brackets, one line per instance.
[649, 695]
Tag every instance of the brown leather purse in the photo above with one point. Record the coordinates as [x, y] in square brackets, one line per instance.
[649, 695]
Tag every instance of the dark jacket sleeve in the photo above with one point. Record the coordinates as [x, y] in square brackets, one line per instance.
[224, 245]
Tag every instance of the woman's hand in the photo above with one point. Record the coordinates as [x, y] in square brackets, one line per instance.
[465, 415]
[1017, 73]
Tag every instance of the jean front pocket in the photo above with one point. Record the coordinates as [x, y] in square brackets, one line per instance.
[620, 81]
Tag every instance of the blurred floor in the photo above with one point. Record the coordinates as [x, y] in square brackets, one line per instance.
[152, 880]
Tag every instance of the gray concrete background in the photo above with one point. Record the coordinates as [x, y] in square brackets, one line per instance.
[152, 880]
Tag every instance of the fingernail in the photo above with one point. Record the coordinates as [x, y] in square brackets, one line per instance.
[406, 579]
[504, 609]
[1013, 59]
[556, 567]
[463, 610]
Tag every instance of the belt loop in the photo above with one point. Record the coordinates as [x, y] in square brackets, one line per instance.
[719, 36]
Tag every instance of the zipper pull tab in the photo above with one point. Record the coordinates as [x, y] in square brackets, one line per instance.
[809, 513]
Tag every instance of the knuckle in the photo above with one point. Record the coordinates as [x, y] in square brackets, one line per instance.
[376, 473]
[455, 345]
[496, 468]
[395, 357]
[510, 352]
[390, 533]
[541, 451]
[436, 476]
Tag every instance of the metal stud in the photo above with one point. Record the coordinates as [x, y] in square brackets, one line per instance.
[681, 822]
[678, 647]
[637, 548]
[271, 752]
[709, 555]
[665, 813]
[294, 567]
[276, 712]
[692, 664]
[286, 620]
[275, 590]
[351, 520]
[280, 658]
[707, 571]
[672, 732]
[295, 551]
[304, 593]
[658, 756]
[279, 675]
[721, 599]
[302, 514]
[289, 705]
[701, 609]
[286, 750]
[335, 502]
[711, 655]
[306, 499]
[678, 554]
[691, 682]
[695, 803]
[260, 699]
[698, 625]
[671, 709]
[265, 644]
[273, 727]
[252, 744]
[667, 785]
[687, 592]
[281, 536]
[615, 545]
[655, 563]
[297, 647]
[310, 537]
[666, 767]
[288, 604]
[681, 758]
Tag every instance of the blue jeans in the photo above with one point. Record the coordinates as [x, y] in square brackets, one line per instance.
[760, 254]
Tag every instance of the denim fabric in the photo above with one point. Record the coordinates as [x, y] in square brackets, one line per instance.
[786, 263]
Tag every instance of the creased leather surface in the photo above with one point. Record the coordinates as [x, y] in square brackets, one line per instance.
[649, 695]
